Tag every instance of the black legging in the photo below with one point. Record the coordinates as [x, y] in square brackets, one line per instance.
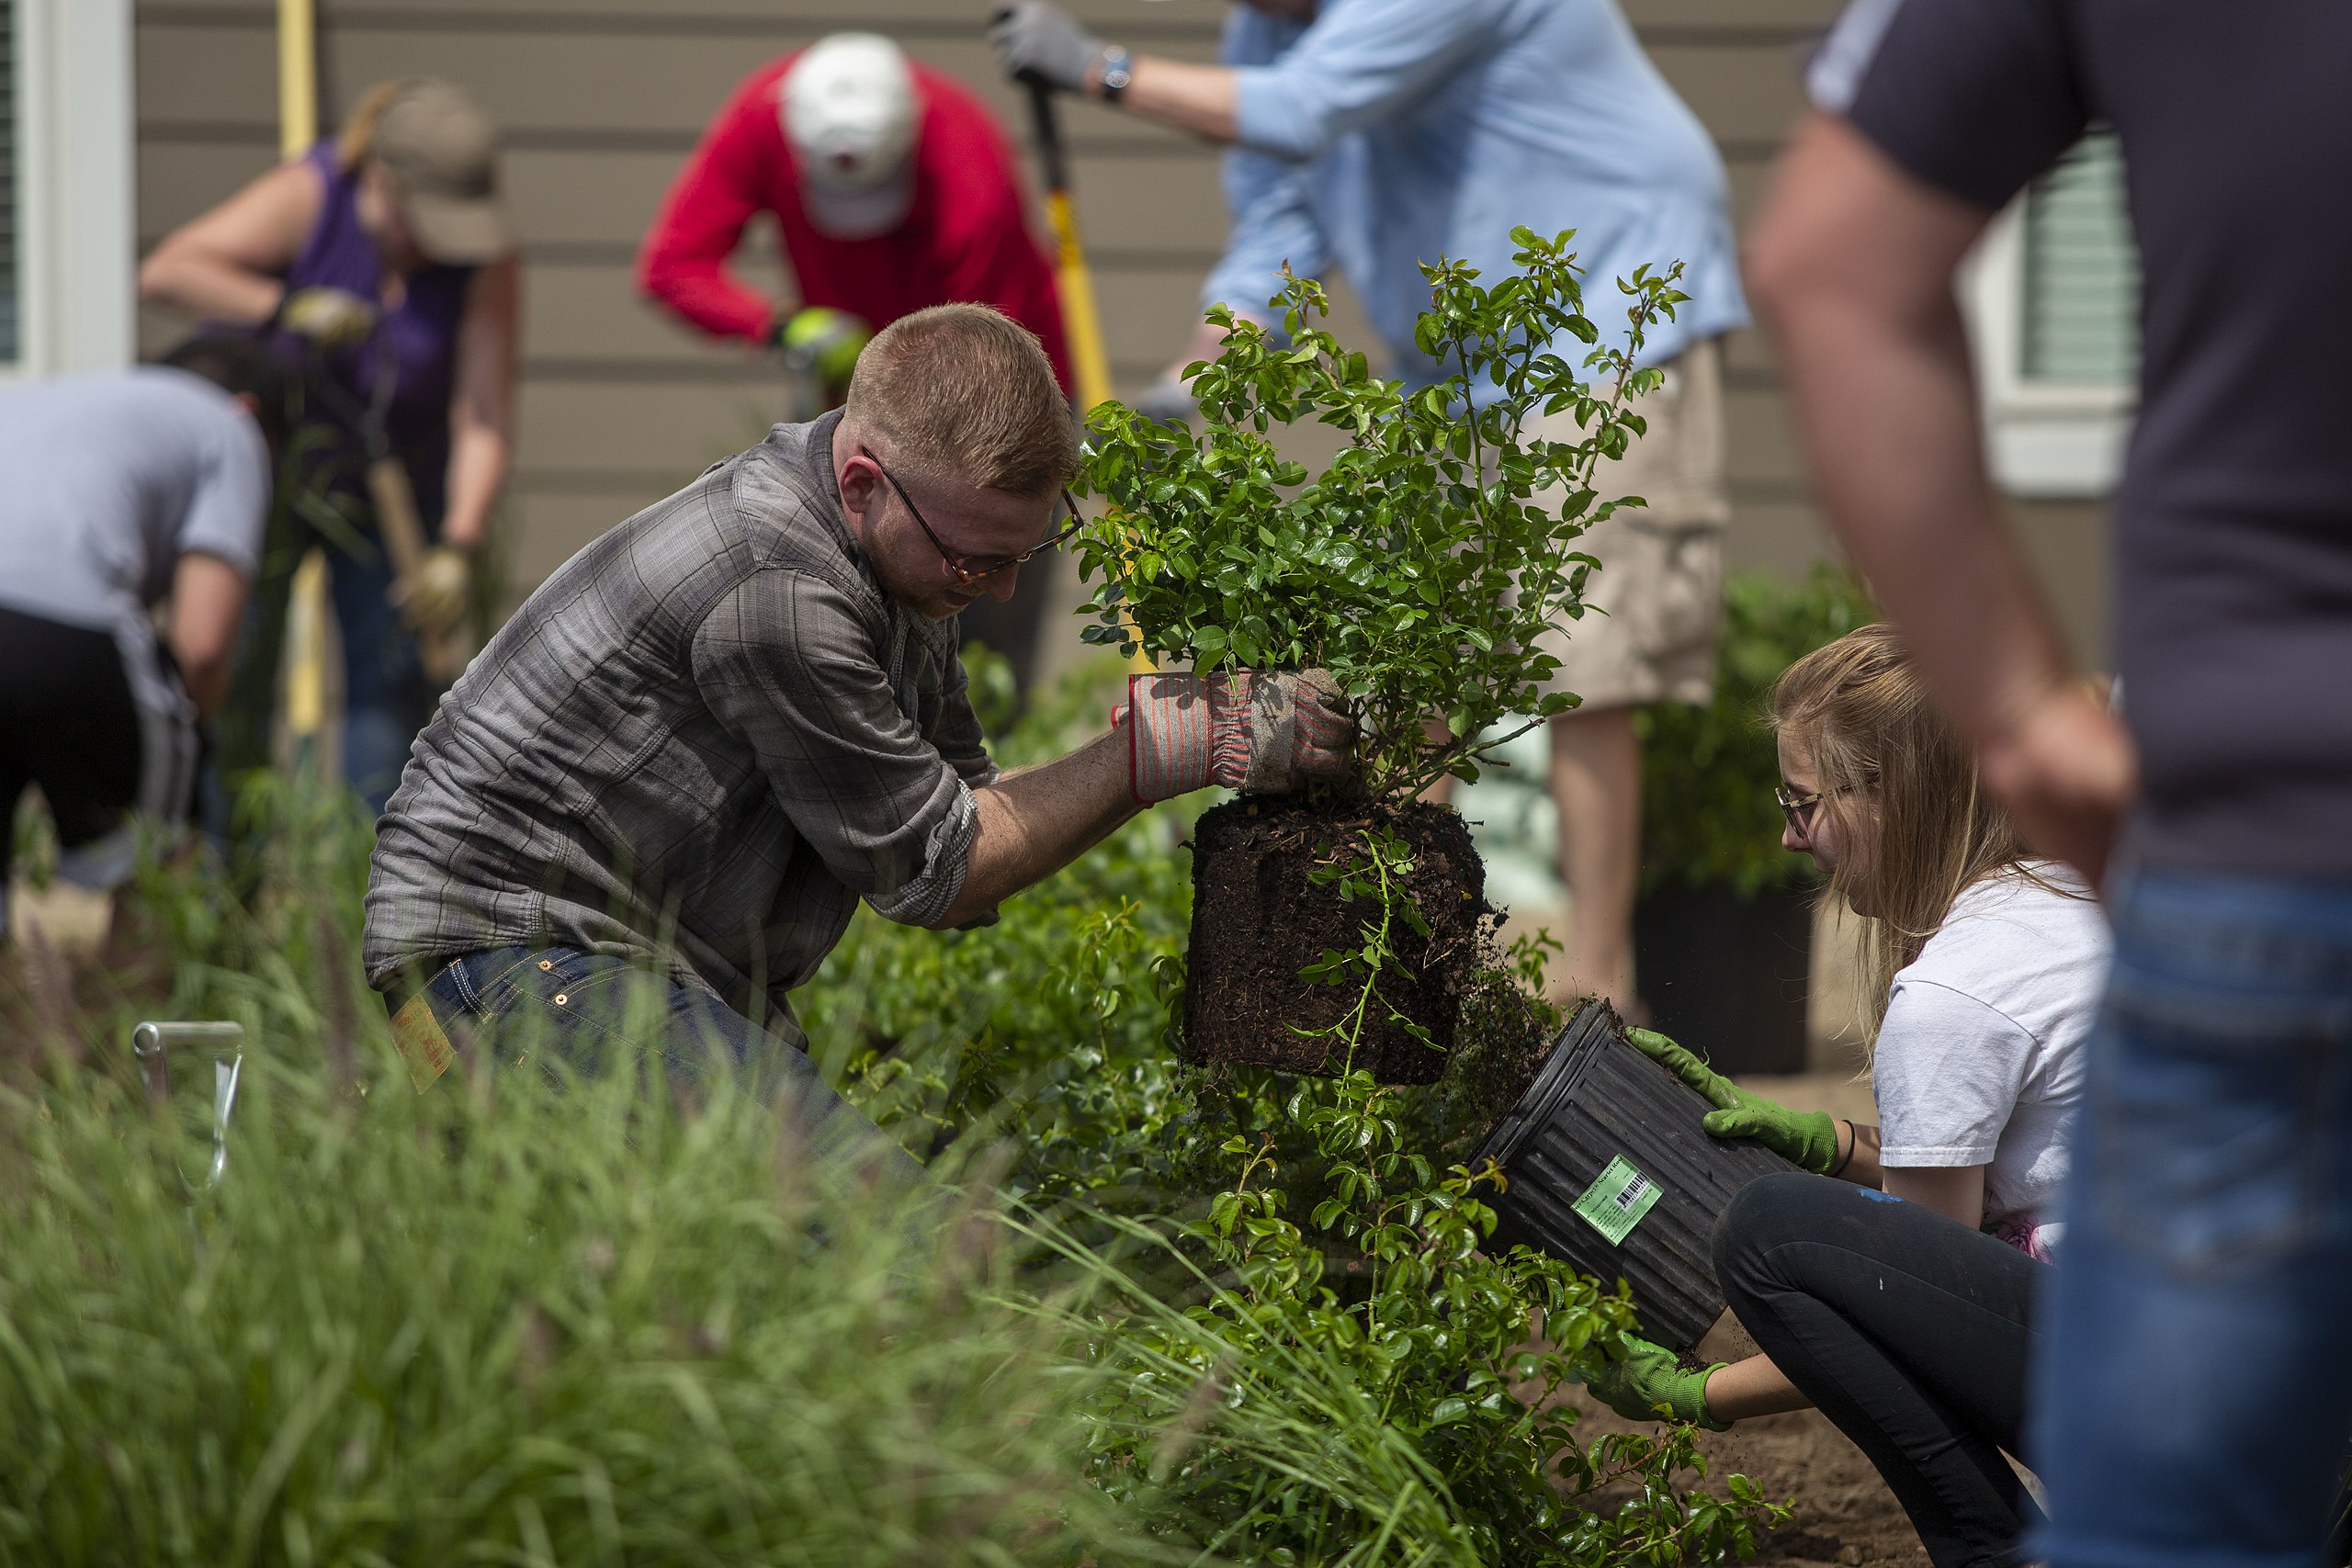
[68, 724]
[1909, 1331]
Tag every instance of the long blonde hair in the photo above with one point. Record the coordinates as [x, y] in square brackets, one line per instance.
[1916, 827]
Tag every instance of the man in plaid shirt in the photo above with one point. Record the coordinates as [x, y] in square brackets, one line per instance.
[714, 730]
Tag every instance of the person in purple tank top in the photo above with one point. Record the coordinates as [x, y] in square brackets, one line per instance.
[384, 268]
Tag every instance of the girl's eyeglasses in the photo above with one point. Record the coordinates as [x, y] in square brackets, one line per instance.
[969, 569]
[1797, 808]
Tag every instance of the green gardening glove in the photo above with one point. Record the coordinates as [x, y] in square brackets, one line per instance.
[1638, 1377]
[1807, 1139]
[822, 342]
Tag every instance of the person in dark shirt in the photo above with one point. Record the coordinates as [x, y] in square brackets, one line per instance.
[2192, 1401]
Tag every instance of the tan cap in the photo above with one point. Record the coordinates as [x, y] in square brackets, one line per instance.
[440, 151]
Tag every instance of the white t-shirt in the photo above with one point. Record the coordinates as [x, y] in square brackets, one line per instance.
[1980, 1059]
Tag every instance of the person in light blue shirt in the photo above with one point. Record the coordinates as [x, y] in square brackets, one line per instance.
[1371, 136]
[132, 505]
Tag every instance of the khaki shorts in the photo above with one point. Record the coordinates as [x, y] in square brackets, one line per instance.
[1661, 576]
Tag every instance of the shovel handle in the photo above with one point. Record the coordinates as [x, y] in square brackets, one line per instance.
[441, 653]
[1047, 121]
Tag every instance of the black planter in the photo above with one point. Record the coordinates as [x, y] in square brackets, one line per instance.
[1726, 975]
[1597, 1101]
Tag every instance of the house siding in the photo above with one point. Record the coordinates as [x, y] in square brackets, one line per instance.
[600, 100]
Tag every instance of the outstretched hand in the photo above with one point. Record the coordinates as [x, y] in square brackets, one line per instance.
[1807, 1139]
[1256, 731]
[2067, 772]
[1036, 41]
[1639, 1378]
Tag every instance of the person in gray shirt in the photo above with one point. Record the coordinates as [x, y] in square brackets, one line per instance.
[120, 490]
[714, 731]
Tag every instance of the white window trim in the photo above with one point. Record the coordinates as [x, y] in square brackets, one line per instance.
[2045, 440]
[77, 264]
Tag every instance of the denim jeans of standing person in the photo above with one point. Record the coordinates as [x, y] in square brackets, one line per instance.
[386, 697]
[2193, 1383]
[595, 1013]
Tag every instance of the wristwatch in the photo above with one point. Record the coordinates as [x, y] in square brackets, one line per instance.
[1118, 70]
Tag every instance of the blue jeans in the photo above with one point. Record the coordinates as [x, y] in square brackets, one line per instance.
[2193, 1388]
[593, 1013]
[386, 697]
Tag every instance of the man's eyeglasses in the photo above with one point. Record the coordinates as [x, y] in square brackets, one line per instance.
[969, 569]
[1797, 808]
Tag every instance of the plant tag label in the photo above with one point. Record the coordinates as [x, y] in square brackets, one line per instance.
[1617, 1199]
[423, 1049]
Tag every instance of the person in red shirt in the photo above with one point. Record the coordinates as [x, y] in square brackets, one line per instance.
[892, 185]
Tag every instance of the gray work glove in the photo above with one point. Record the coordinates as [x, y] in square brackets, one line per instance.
[1036, 41]
[1251, 731]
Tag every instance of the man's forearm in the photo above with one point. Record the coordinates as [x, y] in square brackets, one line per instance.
[1198, 99]
[1878, 360]
[1854, 261]
[1036, 821]
[1891, 422]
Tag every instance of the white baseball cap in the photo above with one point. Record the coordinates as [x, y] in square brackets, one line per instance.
[850, 110]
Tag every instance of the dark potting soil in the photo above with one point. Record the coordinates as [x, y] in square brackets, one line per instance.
[1258, 920]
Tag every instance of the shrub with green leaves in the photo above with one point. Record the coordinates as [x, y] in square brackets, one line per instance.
[1301, 1414]
[1314, 1356]
[1708, 817]
[1421, 565]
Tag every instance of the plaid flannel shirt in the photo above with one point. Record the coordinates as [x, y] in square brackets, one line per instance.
[700, 743]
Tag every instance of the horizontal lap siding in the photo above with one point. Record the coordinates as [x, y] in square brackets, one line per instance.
[601, 99]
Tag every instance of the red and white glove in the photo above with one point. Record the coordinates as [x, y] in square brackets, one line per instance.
[1259, 733]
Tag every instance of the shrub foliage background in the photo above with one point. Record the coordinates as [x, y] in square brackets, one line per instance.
[1707, 816]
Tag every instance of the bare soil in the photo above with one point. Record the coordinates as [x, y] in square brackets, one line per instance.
[1259, 919]
[1845, 1515]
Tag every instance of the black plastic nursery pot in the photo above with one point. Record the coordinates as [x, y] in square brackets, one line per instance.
[1609, 1171]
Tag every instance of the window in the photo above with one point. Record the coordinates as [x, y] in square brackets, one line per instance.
[2082, 273]
[66, 245]
[2054, 297]
[10, 348]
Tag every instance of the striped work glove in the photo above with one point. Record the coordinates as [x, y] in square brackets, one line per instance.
[1253, 732]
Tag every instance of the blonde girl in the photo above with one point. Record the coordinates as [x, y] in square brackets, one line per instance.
[1889, 1280]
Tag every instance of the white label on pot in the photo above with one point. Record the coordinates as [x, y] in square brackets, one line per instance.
[1617, 1199]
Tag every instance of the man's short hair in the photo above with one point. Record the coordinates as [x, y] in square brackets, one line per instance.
[963, 390]
[239, 362]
